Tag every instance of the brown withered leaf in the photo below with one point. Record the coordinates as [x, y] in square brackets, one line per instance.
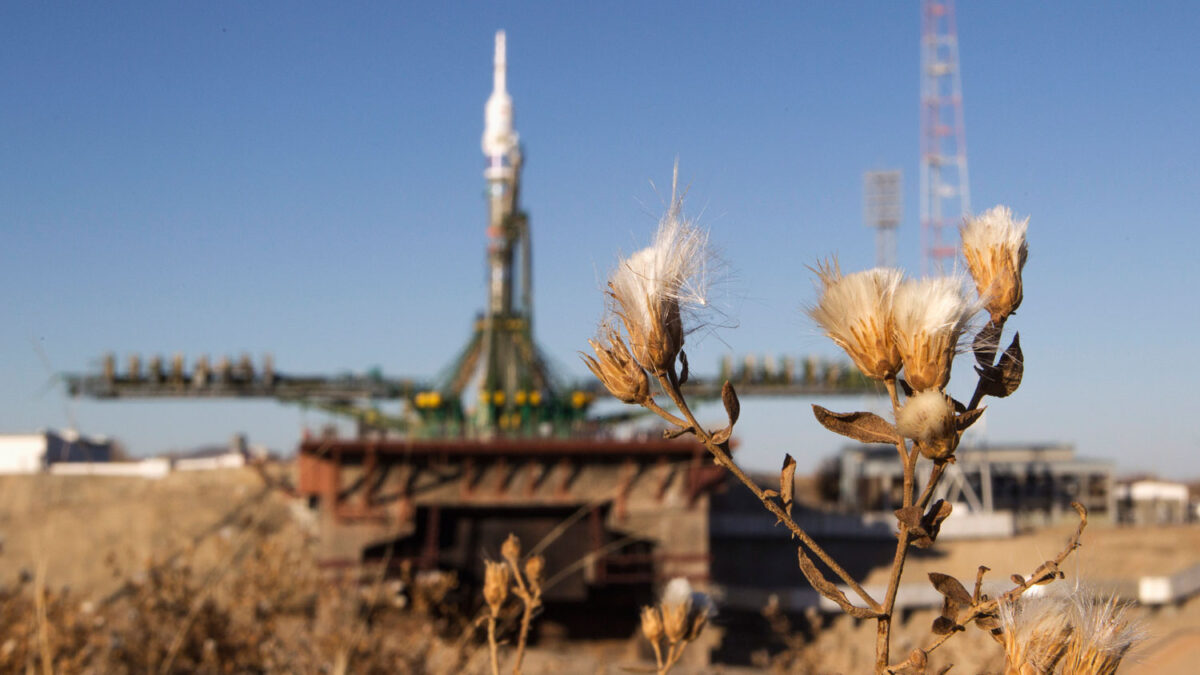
[986, 343]
[930, 524]
[683, 368]
[987, 622]
[944, 626]
[966, 419]
[1018, 580]
[1003, 378]
[950, 587]
[861, 426]
[769, 493]
[959, 406]
[787, 482]
[910, 516]
[722, 435]
[733, 407]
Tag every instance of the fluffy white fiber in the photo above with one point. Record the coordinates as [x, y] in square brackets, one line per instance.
[926, 416]
[932, 307]
[996, 228]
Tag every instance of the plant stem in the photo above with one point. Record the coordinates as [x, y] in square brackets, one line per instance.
[492, 646]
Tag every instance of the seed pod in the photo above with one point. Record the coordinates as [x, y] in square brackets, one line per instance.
[652, 624]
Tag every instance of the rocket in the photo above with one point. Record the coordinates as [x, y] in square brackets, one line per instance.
[499, 139]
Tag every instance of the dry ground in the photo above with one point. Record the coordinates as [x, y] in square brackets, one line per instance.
[95, 534]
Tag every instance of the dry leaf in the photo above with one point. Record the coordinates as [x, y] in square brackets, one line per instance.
[861, 426]
[733, 408]
[965, 420]
[1003, 378]
[787, 482]
[950, 587]
[683, 368]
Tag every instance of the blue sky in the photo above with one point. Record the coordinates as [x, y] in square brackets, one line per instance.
[306, 180]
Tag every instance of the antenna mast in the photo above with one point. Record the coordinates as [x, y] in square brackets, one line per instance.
[945, 193]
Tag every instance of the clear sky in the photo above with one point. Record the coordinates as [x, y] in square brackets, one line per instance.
[222, 177]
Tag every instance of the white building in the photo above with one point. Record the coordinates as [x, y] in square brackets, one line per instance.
[34, 453]
[1147, 501]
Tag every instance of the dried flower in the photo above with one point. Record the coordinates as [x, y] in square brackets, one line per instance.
[652, 624]
[855, 311]
[929, 315]
[653, 288]
[534, 567]
[510, 550]
[995, 248]
[928, 419]
[495, 584]
[616, 369]
[1103, 635]
[685, 611]
[1036, 631]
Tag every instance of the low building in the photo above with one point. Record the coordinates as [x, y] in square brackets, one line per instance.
[1035, 483]
[35, 453]
[1148, 501]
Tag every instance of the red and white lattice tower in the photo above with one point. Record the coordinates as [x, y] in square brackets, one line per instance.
[945, 195]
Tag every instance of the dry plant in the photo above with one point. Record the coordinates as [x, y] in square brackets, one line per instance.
[1078, 635]
[889, 326]
[677, 620]
[511, 576]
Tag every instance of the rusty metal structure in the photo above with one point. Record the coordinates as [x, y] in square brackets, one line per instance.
[499, 444]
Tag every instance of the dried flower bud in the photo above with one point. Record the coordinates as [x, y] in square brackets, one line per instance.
[652, 624]
[995, 248]
[930, 316]
[654, 288]
[534, 567]
[675, 619]
[495, 584]
[617, 370]
[928, 419]
[855, 311]
[510, 550]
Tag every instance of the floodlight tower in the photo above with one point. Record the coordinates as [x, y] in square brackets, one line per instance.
[945, 193]
[882, 211]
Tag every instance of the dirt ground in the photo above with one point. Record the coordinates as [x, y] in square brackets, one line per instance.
[92, 534]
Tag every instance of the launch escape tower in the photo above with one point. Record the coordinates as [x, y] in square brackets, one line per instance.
[945, 193]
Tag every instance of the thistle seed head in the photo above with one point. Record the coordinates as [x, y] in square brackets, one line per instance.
[995, 248]
[510, 550]
[930, 315]
[928, 419]
[495, 584]
[652, 624]
[615, 367]
[1036, 632]
[1103, 635]
[685, 612]
[675, 619]
[855, 311]
[535, 566]
[653, 289]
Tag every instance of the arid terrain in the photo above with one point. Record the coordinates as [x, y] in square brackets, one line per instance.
[209, 572]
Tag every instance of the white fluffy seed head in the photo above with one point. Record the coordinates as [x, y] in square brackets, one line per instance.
[661, 292]
[929, 317]
[928, 418]
[995, 249]
[855, 311]
[996, 228]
